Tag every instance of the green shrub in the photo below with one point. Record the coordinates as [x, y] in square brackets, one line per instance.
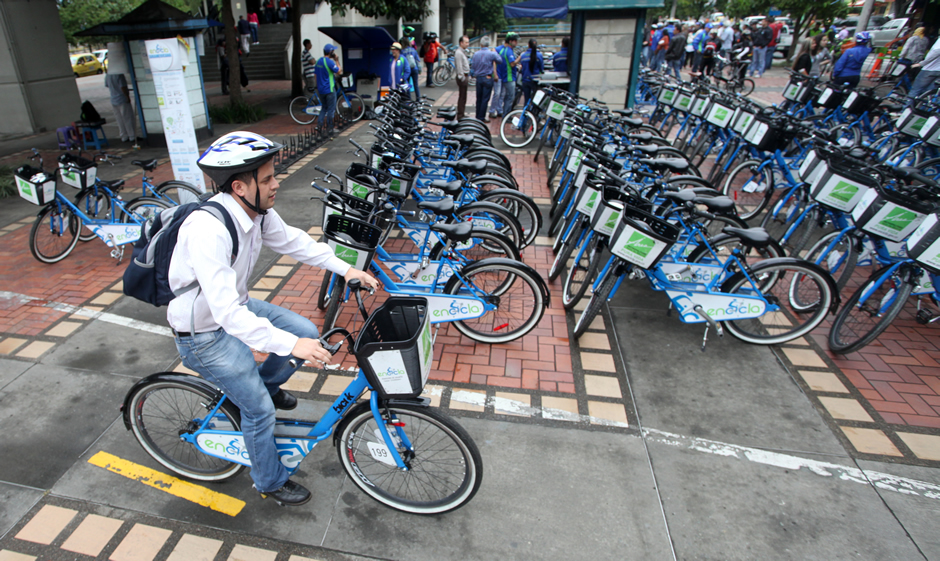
[236, 113]
[7, 185]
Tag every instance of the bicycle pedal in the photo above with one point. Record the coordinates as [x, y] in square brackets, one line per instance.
[924, 317]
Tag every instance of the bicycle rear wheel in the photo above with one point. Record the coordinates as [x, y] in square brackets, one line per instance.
[522, 207]
[445, 468]
[859, 323]
[179, 192]
[512, 288]
[54, 234]
[163, 411]
[491, 216]
[785, 323]
[749, 187]
[143, 209]
[518, 128]
[351, 107]
[298, 111]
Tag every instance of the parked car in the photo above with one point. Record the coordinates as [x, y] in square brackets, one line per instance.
[852, 21]
[86, 64]
[898, 27]
[102, 56]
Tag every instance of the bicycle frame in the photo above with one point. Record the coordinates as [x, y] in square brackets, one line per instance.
[111, 231]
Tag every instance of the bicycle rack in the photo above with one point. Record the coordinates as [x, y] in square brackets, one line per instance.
[303, 143]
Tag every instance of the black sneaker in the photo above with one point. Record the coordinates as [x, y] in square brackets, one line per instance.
[284, 401]
[291, 494]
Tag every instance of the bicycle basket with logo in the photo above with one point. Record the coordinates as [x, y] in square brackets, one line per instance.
[396, 346]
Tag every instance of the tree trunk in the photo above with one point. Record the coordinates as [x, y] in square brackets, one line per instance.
[296, 72]
[672, 12]
[231, 52]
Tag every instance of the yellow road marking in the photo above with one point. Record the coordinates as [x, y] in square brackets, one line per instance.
[169, 484]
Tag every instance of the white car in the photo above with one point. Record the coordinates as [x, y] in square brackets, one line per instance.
[889, 32]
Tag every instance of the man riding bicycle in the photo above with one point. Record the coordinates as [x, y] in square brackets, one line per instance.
[217, 326]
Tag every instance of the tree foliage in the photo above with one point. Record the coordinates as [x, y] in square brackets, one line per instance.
[481, 15]
[408, 10]
[77, 15]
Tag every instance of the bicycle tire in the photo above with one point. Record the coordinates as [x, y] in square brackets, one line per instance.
[558, 215]
[48, 225]
[507, 279]
[778, 327]
[335, 302]
[649, 129]
[354, 109]
[884, 147]
[323, 298]
[142, 209]
[98, 209]
[161, 411]
[174, 190]
[581, 273]
[440, 77]
[598, 298]
[749, 204]
[744, 88]
[930, 168]
[846, 256]
[522, 207]
[518, 128]
[567, 247]
[846, 135]
[483, 245]
[851, 329]
[298, 113]
[785, 223]
[724, 244]
[445, 466]
[490, 216]
[913, 158]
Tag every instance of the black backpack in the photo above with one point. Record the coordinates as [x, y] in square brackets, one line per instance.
[147, 276]
[89, 113]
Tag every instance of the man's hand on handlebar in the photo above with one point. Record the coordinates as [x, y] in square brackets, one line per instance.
[365, 278]
[310, 349]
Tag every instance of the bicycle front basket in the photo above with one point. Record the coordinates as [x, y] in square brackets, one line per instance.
[830, 98]
[357, 187]
[812, 166]
[841, 188]
[700, 106]
[667, 95]
[541, 100]
[76, 171]
[684, 100]
[353, 241]
[930, 132]
[765, 135]
[741, 120]
[889, 214]
[792, 89]
[613, 200]
[35, 185]
[912, 121]
[395, 347]
[641, 238]
[719, 115]
[344, 204]
[857, 103]
[589, 196]
[924, 244]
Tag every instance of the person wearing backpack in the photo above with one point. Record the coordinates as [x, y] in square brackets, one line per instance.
[217, 325]
[410, 54]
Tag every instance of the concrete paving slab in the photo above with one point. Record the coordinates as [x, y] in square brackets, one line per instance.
[918, 514]
[15, 501]
[49, 416]
[105, 347]
[11, 369]
[547, 493]
[719, 507]
[739, 393]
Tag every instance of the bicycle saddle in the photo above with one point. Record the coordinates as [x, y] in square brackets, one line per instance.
[449, 187]
[449, 125]
[444, 206]
[648, 149]
[115, 185]
[465, 166]
[463, 139]
[660, 164]
[678, 197]
[631, 121]
[642, 136]
[753, 237]
[457, 232]
[148, 165]
[720, 205]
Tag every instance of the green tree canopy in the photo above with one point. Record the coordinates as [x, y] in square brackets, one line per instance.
[77, 15]
[408, 10]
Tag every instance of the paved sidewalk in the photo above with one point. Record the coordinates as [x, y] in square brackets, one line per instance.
[629, 443]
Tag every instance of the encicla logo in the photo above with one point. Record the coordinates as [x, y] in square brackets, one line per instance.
[721, 114]
[360, 191]
[612, 220]
[898, 219]
[592, 200]
[639, 244]
[843, 191]
[347, 254]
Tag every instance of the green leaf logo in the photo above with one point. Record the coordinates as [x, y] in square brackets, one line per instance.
[347, 254]
[592, 200]
[843, 191]
[898, 219]
[639, 245]
[612, 220]
[919, 123]
[360, 191]
[26, 188]
[721, 114]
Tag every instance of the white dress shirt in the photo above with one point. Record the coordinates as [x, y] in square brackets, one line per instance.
[203, 253]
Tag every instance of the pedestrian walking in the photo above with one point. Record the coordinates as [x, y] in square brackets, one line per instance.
[532, 65]
[774, 26]
[504, 71]
[762, 39]
[253, 22]
[328, 71]
[676, 52]
[410, 54]
[929, 72]
[431, 49]
[483, 67]
[244, 33]
[462, 61]
[848, 68]
[120, 95]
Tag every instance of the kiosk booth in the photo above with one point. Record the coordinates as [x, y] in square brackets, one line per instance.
[367, 57]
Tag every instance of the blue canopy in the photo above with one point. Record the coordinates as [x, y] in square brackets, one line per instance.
[554, 9]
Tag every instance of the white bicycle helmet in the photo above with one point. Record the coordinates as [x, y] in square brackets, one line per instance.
[234, 153]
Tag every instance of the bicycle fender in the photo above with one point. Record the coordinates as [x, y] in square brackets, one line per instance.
[836, 297]
[543, 286]
[162, 377]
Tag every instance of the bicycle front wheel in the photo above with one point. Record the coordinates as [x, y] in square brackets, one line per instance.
[445, 468]
[54, 234]
[581, 273]
[783, 324]
[163, 411]
[749, 186]
[518, 128]
[351, 107]
[335, 301]
[298, 111]
[859, 323]
[323, 299]
[840, 261]
[597, 300]
[522, 207]
[511, 288]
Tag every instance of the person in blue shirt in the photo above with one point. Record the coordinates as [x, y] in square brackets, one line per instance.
[400, 71]
[328, 73]
[849, 66]
[560, 59]
[504, 70]
[483, 68]
[410, 54]
[532, 65]
[698, 47]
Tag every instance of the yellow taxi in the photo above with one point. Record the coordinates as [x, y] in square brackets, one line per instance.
[86, 64]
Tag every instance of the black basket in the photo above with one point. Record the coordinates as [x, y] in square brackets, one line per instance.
[767, 136]
[889, 214]
[830, 97]
[683, 100]
[353, 241]
[613, 201]
[839, 187]
[76, 171]
[792, 89]
[641, 238]
[541, 99]
[808, 92]
[857, 102]
[912, 121]
[667, 95]
[344, 204]
[395, 348]
[923, 246]
[35, 185]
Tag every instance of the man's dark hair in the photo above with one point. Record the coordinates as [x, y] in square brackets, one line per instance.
[564, 42]
[462, 37]
[307, 43]
[245, 177]
[771, 19]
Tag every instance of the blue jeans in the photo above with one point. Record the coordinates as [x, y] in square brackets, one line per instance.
[508, 96]
[769, 58]
[675, 66]
[484, 89]
[329, 109]
[415, 76]
[228, 363]
[658, 58]
[430, 68]
[923, 82]
[757, 62]
[496, 105]
[254, 32]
